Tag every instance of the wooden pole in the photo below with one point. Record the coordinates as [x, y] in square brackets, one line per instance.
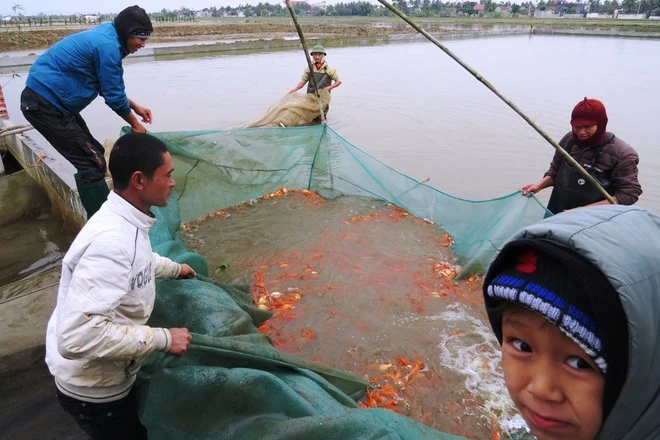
[312, 78]
[485, 82]
[14, 130]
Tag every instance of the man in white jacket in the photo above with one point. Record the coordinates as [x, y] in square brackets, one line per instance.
[97, 336]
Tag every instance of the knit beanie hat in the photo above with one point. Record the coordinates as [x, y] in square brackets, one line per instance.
[570, 292]
[133, 22]
[590, 112]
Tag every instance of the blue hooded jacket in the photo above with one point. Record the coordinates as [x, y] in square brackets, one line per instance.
[73, 72]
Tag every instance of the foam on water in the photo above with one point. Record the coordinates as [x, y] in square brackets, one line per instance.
[470, 348]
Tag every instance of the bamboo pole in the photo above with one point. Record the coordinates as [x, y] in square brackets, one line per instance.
[312, 78]
[485, 82]
[14, 130]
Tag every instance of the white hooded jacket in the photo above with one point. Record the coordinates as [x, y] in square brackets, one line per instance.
[97, 337]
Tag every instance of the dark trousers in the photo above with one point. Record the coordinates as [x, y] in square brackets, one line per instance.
[107, 421]
[318, 119]
[67, 133]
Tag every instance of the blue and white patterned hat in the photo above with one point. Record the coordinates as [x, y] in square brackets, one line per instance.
[545, 290]
[570, 292]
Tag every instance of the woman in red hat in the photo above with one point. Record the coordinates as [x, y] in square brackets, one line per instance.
[610, 160]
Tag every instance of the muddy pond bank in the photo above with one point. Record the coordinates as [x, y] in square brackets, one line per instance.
[337, 30]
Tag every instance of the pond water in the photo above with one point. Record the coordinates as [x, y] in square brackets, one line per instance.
[367, 288]
[413, 107]
[33, 238]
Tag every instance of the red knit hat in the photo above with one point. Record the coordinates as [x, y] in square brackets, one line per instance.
[589, 112]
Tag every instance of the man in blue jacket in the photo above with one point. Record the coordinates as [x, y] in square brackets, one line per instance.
[68, 77]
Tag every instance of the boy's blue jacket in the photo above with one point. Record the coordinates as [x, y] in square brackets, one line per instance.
[74, 71]
[632, 265]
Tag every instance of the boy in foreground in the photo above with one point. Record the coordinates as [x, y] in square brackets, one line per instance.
[575, 303]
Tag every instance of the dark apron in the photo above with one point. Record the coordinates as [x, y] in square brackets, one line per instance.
[323, 80]
[572, 189]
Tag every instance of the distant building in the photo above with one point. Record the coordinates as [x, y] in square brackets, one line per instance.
[479, 8]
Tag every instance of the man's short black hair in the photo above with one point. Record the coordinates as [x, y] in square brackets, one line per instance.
[135, 152]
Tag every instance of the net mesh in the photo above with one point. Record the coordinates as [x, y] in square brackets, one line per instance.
[293, 109]
[233, 383]
[217, 169]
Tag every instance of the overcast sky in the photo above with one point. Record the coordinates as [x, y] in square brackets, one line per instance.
[33, 7]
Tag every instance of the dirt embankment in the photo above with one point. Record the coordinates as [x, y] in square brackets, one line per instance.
[345, 29]
[37, 38]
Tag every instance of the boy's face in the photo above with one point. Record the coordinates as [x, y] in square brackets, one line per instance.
[555, 385]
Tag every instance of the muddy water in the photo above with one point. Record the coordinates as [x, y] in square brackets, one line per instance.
[31, 246]
[369, 289]
[413, 107]
[33, 239]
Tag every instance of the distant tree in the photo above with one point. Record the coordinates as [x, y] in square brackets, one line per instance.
[629, 6]
[16, 9]
[650, 7]
[515, 8]
[401, 5]
[468, 8]
[609, 6]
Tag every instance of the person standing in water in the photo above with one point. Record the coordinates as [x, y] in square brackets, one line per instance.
[326, 77]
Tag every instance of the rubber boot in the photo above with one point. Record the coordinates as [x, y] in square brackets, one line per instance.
[92, 195]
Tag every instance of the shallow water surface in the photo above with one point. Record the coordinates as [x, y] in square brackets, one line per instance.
[363, 286]
[33, 239]
[31, 246]
[413, 107]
